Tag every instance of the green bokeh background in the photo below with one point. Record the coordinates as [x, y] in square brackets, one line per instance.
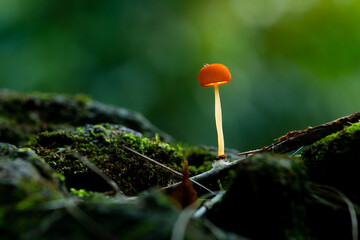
[294, 63]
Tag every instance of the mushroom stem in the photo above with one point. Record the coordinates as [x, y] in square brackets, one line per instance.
[218, 120]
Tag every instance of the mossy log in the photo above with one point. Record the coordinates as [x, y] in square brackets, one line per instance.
[335, 161]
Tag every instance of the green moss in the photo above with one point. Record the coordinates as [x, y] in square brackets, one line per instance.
[334, 160]
[347, 134]
[200, 158]
[102, 145]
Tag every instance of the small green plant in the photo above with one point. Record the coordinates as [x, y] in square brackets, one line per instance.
[80, 192]
[157, 139]
[220, 185]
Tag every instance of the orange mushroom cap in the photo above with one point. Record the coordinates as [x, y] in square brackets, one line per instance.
[214, 74]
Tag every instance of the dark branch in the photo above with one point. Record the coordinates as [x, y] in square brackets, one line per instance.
[296, 139]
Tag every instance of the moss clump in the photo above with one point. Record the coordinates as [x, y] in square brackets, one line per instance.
[200, 158]
[102, 145]
[267, 198]
[334, 160]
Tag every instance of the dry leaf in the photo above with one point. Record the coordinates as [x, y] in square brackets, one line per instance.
[184, 194]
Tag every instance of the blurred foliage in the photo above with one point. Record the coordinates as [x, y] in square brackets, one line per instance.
[293, 63]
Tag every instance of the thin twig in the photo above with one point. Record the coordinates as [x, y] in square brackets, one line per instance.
[98, 171]
[352, 211]
[167, 168]
[89, 223]
[70, 204]
[212, 176]
[297, 151]
[251, 152]
[180, 225]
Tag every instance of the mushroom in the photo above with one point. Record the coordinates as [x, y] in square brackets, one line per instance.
[214, 75]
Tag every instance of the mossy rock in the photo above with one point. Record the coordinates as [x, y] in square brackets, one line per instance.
[26, 183]
[266, 200]
[102, 145]
[24, 115]
[26, 156]
[151, 216]
[335, 161]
